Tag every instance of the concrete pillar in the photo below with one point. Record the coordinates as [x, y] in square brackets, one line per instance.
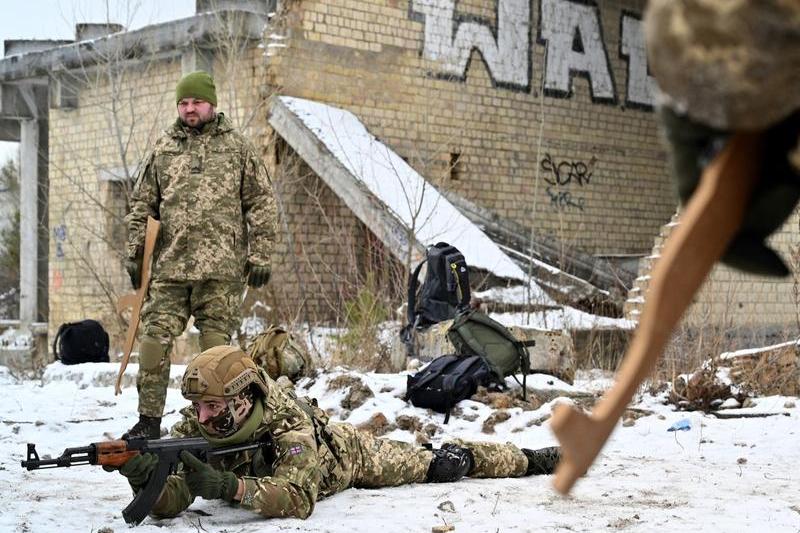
[29, 221]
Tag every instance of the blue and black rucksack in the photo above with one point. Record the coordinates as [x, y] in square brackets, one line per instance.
[444, 292]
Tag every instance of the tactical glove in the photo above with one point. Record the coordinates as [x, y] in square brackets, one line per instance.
[137, 469]
[134, 268]
[693, 146]
[258, 275]
[206, 482]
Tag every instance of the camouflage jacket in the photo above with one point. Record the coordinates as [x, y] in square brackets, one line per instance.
[214, 199]
[303, 458]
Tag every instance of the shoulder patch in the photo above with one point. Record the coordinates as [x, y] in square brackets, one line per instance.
[296, 449]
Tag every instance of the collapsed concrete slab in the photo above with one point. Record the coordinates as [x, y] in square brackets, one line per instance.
[395, 202]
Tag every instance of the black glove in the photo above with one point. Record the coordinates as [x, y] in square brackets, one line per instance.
[137, 469]
[204, 481]
[134, 268]
[258, 275]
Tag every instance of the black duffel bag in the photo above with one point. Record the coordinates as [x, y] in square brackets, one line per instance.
[447, 380]
[81, 342]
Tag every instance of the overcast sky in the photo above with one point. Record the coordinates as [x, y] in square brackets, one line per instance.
[56, 19]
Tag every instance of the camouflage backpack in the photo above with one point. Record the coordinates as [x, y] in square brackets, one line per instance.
[280, 354]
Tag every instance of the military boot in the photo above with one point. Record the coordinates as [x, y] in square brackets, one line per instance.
[542, 461]
[148, 427]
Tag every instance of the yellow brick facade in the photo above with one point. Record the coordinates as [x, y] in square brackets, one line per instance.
[734, 300]
[584, 168]
[366, 56]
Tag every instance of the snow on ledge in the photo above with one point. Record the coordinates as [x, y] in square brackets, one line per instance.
[757, 351]
[414, 201]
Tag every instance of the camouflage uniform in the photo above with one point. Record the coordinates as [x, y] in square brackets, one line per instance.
[306, 457]
[214, 199]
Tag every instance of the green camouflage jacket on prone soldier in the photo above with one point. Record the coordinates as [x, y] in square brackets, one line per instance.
[287, 475]
[214, 199]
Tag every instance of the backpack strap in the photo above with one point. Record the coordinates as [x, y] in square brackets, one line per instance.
[525, 364]
[450, 379]
[413, 284]
[458, 279]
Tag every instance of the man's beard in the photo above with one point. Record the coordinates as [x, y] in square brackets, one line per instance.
[200, 122]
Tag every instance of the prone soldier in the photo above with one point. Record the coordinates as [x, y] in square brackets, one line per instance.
[303, 457]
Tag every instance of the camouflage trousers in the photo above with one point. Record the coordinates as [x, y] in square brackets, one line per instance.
[166, 310]
[374, 462]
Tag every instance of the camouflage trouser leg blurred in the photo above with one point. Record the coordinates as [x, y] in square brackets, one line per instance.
[216, 309]
[494, 459]
[215, 306]
[387, 463]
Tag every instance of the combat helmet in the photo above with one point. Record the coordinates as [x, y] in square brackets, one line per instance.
[219, 372]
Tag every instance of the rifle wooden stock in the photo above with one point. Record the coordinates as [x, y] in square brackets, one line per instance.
[710, 221]
[135, 300]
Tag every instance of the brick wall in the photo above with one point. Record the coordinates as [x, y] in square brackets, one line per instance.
[585, 167]
[88, 192]
[736, 300]
[742, 309]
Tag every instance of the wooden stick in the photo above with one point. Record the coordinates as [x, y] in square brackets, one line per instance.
[711, 219]
[135, 300]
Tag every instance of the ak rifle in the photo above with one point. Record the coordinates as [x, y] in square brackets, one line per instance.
[116, 453]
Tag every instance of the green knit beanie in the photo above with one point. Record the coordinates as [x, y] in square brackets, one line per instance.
[198, 85]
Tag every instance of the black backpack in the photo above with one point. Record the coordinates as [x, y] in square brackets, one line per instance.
[81, 342]
[444, 292]
[447, 380]
[475, 333]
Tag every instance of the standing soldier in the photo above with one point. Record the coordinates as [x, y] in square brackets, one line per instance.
[303, 456]
[212, 194]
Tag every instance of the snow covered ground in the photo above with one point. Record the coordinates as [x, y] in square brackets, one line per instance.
[721, 475]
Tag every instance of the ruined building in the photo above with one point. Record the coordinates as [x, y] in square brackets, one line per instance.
[388, 125]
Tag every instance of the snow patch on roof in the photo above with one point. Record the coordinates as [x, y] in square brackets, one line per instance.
[414, 201]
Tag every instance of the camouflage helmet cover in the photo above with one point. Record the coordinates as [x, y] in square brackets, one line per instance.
[221, 371]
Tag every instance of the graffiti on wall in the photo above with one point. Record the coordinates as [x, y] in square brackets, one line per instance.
[60, 235]
[641, 88]
[569, 30]
[450, 38]
[564, 179]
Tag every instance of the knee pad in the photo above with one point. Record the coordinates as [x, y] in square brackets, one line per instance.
[152, 351]
[450, 463]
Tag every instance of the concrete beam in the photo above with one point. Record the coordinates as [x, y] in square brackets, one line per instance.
[90, 30]
[165, 38]
[13, 47]
[29, 219]
[9, 130]
[364, 205]
[63, 93]
[23, 101]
